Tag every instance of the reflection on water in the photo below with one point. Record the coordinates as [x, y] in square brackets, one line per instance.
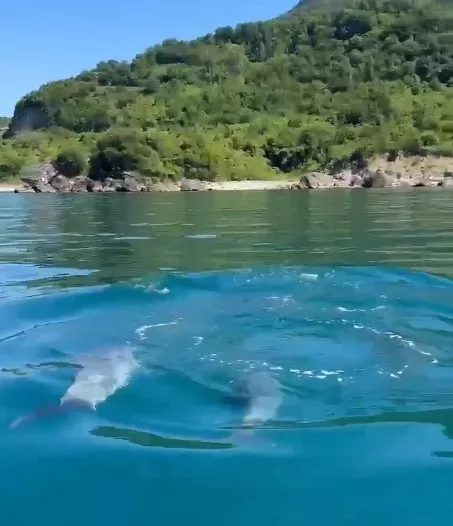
[111, 237]
[141, 438]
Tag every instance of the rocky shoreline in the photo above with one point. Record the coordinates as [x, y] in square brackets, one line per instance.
[369, 178]
[44, 179]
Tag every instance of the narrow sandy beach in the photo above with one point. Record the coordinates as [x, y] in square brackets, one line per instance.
[248, 185]
[8, 187]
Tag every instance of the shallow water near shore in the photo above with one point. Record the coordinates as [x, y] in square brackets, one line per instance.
[344, 297]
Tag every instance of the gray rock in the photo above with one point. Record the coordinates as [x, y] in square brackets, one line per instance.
[377, 179]
[191, 185]
[37, 172]
[96, 186]
[130, 184]
[356, 180]
[322, 180]
[161, 186]
[111, 185]
[81, 184]
[317, 180]
[61, 183]
[40, 187]
[304, 183]
[424, 179]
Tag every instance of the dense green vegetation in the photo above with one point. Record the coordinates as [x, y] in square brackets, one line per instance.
[312, 89]
[4, 121]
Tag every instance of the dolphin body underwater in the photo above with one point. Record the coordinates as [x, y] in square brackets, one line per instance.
[98, 378]
[261, 396]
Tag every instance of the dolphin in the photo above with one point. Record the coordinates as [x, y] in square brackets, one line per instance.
[98, 378]
[260, 393]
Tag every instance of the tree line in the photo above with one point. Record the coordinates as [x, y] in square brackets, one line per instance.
[316, 88]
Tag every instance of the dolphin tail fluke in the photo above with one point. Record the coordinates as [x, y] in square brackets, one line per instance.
[51, 410]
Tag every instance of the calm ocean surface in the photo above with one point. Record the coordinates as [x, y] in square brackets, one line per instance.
[345, 298]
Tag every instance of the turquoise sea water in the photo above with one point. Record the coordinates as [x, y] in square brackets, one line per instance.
[344, 298]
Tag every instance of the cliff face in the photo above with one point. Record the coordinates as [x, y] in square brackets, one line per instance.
[27, 117]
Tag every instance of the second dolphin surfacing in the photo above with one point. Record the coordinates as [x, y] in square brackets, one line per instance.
[260, 395]
[98, 378]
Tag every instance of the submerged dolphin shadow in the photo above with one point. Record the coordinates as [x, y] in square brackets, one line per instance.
[98, 377]
[259, 396]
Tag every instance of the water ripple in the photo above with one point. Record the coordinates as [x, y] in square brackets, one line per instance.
[319, 298]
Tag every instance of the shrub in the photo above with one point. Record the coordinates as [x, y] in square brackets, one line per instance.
[70, 162]
[118, 151]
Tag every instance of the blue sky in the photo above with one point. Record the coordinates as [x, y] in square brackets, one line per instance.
[44, 40]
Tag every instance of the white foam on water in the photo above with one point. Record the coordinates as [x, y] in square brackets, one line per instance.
[141, 331]
[132, 238]
[329, 373]
[308, 276]
[425, 353]
[287, 299]
[162, 291]
[345, 309]
[201, 236]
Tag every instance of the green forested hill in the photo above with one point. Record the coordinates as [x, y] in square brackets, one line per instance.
[324, 82]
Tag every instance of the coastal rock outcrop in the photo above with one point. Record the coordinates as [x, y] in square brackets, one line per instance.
[37, 173]
[369, 178]
[162, 186]
[191, 185]
[60, 183]
[44, 188]
[316, 180]
[131, 184]
[29, 115]
[377, 179]
[81, 184]
[43, 178]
